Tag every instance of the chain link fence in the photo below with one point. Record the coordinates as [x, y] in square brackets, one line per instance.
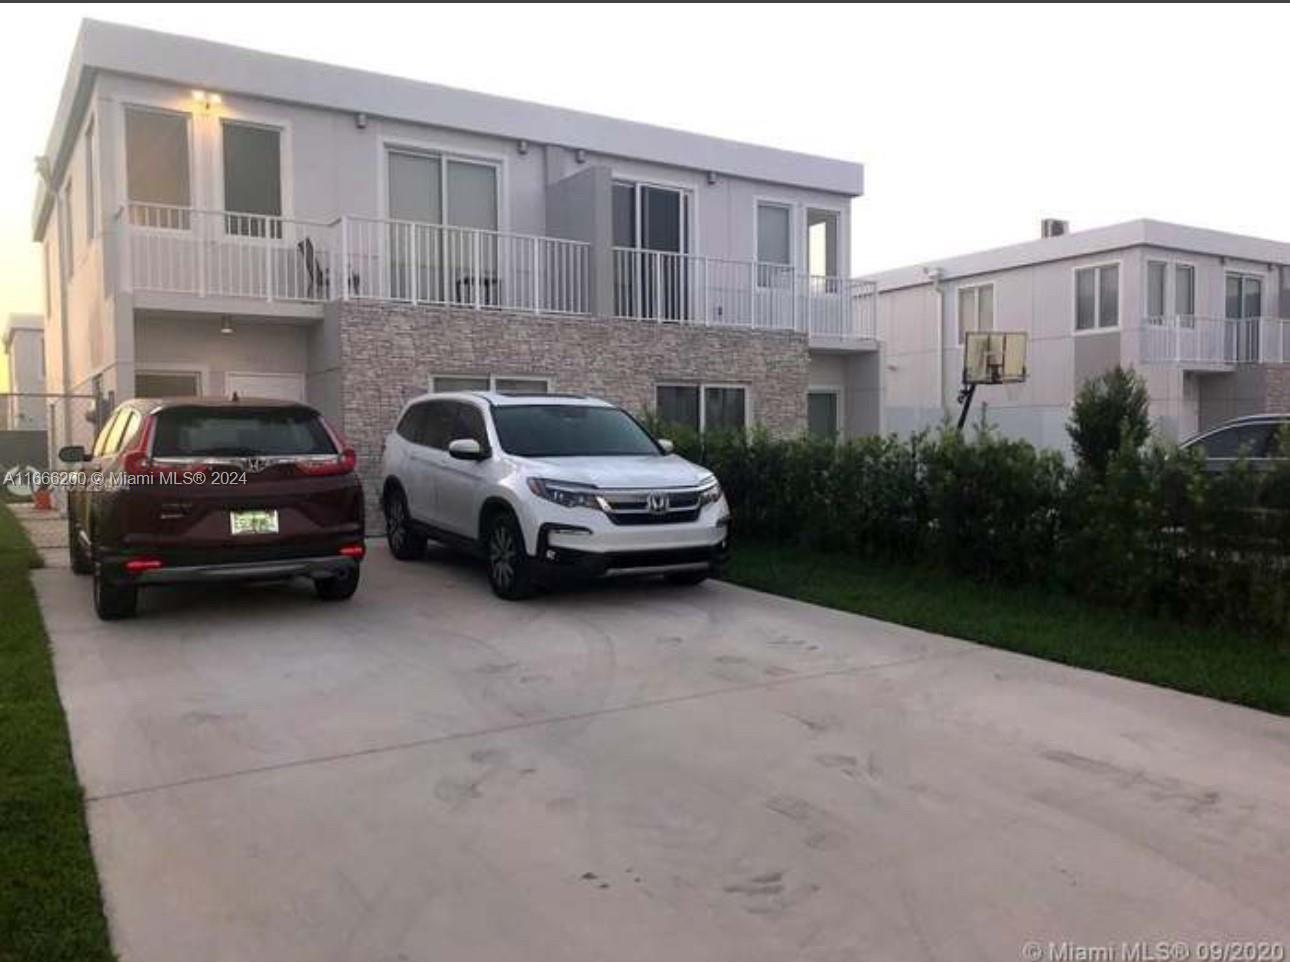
[34, 426]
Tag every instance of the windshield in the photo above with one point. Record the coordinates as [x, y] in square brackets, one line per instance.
[241, 432]
[567, 430]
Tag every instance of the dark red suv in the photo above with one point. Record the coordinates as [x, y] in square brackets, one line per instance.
[210, 489]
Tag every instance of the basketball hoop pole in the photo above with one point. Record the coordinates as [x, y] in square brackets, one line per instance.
[966, 393]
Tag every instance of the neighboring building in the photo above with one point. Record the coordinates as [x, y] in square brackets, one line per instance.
[1199, 313]
[218, 220]
[22, 350]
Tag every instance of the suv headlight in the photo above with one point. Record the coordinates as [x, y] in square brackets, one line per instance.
[710, 494]
[567, 494]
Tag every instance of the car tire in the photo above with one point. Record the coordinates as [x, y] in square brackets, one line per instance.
[339, 587]
[406, 544]
[82, 564]
[688, 578]
[510, 571]
[113, 601]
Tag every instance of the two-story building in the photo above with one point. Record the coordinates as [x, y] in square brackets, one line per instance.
[22, 351]
[217, 220]
[1199, 313]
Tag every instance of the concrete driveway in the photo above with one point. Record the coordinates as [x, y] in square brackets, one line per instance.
[641, 773]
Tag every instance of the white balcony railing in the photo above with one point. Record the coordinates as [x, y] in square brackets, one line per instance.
[181, 250]
[205, 253]
[391, 260]
[687, 288]
[1215, 341]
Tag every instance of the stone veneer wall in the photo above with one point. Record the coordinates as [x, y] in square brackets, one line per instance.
[1278, 388]
[389, 352]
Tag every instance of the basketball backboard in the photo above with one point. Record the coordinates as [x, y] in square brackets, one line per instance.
[994, 357]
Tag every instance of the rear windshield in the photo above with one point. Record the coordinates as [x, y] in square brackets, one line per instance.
[566, 430]
[244, 432]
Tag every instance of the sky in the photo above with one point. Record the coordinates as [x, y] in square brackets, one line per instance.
[973, 122]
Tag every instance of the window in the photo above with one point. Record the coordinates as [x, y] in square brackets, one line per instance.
[1156, 276]
[1244, 296]
[976, 309]
[569, 430]
[1184, 290]
[821, 243]
[470, 424]
[155, 384]
[409, 426]
[1248, 440]
[101, 442]
[252, 179]
[774, 245]
[483, 382]
[822, 414]
[116, 434]
[156, 166]
[1097, 297]
[435, 425]
[183, 432]
[429, 190]
[703, 407]
[91, 215]
[679, 405]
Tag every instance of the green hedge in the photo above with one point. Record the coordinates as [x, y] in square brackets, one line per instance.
[1157, 532]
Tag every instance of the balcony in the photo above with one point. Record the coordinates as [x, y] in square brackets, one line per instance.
[221, 255]
[1215, 343]
[690, 289]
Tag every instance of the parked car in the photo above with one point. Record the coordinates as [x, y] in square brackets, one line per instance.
[1255, 438]
[545, 487]
[211, 489]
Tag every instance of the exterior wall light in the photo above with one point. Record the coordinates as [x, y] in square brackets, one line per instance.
[580, 155]
[226, 328]
[360, 120]
[522, 146]
[207, 99]
[712, 177]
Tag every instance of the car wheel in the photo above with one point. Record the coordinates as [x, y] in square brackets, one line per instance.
[688, 577]
[82, 564]
[406, 544]
[338, 588]
[111, 600]
[509, 569]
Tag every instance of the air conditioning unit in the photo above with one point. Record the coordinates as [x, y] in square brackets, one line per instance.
[1052, 227]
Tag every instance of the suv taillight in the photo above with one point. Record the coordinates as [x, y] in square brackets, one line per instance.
[343, 463]
[135, 460]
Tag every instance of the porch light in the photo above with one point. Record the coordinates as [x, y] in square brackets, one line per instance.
[226, 328]
[207, 99]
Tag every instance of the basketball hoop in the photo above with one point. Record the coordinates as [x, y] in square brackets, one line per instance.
[990, 357]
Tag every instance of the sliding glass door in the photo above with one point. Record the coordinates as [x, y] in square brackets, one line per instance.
[443, 243]
[653, 276]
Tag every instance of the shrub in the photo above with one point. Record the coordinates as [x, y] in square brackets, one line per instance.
[1154, 530]
[1110, 411]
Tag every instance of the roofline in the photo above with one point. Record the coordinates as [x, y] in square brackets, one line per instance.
[135, 51]
[1099, 240]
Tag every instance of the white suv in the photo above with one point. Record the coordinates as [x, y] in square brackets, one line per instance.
[548, 485]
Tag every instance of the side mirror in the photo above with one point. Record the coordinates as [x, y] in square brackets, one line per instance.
[666, 445]
[72, 454]
[466, 449]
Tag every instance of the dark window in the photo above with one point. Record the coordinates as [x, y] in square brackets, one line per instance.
[679, 405]
[1251, 440]
[409, 426]
[1156, 288]
[166, 384]
[243, 432]
[724, 408]
[568, 430]
[436, 424]
[822, 414]
[470, 424]
[252, 180]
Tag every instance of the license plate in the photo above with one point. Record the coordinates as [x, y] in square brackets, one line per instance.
[253, 522]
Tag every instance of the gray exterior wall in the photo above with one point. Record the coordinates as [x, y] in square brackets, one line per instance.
[923, 379]
[391, 352]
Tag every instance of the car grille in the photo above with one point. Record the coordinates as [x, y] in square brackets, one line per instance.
[630, 508]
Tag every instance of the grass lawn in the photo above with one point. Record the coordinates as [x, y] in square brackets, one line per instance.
[1213, 662]
[50, 909]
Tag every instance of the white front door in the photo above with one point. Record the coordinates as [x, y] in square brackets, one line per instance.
[284, 387]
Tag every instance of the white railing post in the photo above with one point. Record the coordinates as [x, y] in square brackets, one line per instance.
[268, 259]
[199, 261]
[752, 294]
[537, 282]
[475, 273]
[414, 265]
[344, 260]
